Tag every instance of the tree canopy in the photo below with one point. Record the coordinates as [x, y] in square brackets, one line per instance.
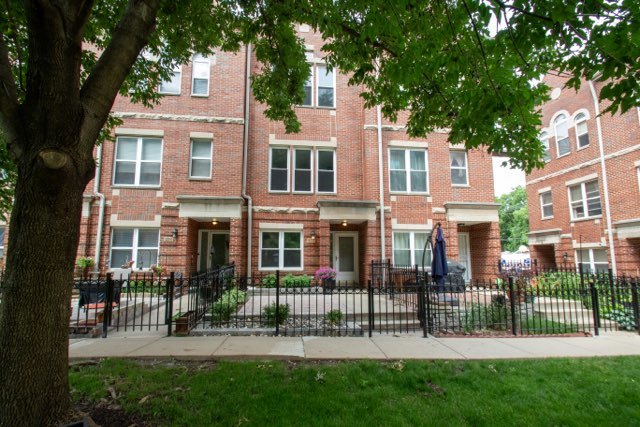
[514, 219]
[470, 66]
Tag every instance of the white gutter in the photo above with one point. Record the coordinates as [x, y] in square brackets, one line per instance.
[605, 183]
[381, 183]
[245, 142]
[96, 192]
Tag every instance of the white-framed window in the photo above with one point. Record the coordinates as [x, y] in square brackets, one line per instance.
[546, 205]
[281, 250]
[279, 169]
[584, 199]
[326, 87]
[408, 247]
[140, 245]
[200, 74]
[592, 260]
[561, 128]
[138, 161]
[408, 171]
[2, 234]
[200, 162]
[582, 131]
[459, 172]
[326, 171]
[302, 173]
[171, 86]
[308, 88]
[544, 138]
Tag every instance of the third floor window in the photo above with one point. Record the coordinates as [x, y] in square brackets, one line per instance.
[320, 88]
[561, 127]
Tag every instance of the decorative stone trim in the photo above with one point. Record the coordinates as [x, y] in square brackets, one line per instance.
[178, 117]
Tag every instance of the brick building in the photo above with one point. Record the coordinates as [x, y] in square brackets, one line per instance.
[584, 205]
[205, 179]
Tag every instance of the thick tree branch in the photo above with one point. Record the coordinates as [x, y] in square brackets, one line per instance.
[8, 93]
[102, 85]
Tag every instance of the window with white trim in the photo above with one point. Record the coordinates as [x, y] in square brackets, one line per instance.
[281, 250]
[408, 171]
[200, 74]
[326, 87]
[326, 171]
[582, 131]
[561, 128]
[546, 205]
[138, 161]
[584, 199]
[308, 88]
[592, 260]
[2, 233]
[302, 161]
[140, 245]
[408, 247]
[171, 86]
[544, 138]
[459, 172]
[279, 169]
[200, 163]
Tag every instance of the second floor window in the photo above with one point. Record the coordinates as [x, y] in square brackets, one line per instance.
[171, 86]
[562, 135]
[326, 177]
[408, 171]
[584, 199]
[546, 204]
[303, 162]
[302, 173]
[279, 170]
[459, 172]
[200, 75]
[200, 165]
[582, 131]
[2, 232]
[138, 161]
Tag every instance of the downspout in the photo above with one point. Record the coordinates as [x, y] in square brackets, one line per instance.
[96, 193]
[381, 182]
[605, 183]
[245, 142]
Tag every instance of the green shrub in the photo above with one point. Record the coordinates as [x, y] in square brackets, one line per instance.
[495, 316]
[624, 318]
[291, 281]
[269, 281]
[227, 304]
[269, 313]
[333, 317]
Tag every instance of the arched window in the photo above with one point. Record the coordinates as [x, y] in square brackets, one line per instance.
[544, 138]
[561, 128]
[582, 132]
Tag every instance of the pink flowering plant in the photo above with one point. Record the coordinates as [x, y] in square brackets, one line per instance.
[324, 273]
[158, 269]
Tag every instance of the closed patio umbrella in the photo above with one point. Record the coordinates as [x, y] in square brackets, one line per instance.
[439, 268]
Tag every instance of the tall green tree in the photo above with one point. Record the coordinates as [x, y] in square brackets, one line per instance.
[514, 219]
[465, 65]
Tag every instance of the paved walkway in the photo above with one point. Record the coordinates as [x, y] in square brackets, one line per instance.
[343, 348]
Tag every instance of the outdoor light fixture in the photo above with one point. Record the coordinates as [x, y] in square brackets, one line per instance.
[344, 222]
[313, 235]
[214, 221]
[174, 233]
[565, 257]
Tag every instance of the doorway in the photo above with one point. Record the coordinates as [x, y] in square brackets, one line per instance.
[213, 249]
[345, 256]
[464, 254]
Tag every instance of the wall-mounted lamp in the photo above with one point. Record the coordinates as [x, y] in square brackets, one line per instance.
[174, 233]
[312, 235]
[214, 221]
[344, 222]
[565, 257]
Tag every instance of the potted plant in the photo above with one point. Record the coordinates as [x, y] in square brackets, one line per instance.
[184, 321]
[85, 263]
[158, 270]
[327, 276]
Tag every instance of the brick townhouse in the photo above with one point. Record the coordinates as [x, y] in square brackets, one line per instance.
[584, 205]
[205, 179]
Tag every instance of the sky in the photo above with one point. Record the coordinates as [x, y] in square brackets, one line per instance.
[505, 179]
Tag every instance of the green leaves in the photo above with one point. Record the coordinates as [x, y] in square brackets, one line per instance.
[514, 219]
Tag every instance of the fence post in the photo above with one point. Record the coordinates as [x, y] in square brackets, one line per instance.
[277, 302]
[370, 304]
[535, 266]
[499, 266]
[635, 301]
[108, 305]
[170, 288]
[595, 307]
[612, 290]
[422, 304]
[512, 301]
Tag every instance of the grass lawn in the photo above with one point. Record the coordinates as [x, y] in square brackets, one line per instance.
[595, 391]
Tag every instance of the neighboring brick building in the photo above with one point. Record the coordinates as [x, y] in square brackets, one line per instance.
[580, 210]
[311, 199]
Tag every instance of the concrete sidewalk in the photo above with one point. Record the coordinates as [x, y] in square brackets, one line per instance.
[347, 348]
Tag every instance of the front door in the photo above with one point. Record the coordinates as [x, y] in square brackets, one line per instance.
[345, 256]
[464, 254]
[213, 249]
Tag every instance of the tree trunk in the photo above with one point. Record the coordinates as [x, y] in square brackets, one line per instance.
[35, 307]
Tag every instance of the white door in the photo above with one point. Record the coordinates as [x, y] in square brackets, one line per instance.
[345, 256]
[464, 254]
[213, 249]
